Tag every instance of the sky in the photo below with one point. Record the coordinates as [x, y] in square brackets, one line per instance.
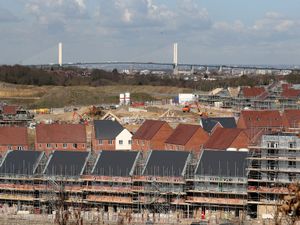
[207, 31]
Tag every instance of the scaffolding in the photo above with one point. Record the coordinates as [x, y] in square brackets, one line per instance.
[272, 166]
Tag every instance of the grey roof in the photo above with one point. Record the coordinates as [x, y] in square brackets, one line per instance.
[115, 163]
[209, 123]
[20, 162]
[222, 164]
[107, 129]
[166, 163]
[66, 163]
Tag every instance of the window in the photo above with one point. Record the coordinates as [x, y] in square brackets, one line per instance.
[74, 145]
[292, 177]
[292, 144]
[20, 148]
[120, 142]
[100, 142]
[9, 147]
[110, 142]
[129, 142]
[64, 145]
[292, 164]
[56, 146]
[48, 145]
[272, 144]
[40, 145]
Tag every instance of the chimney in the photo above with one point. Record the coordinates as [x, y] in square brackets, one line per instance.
[60, 54]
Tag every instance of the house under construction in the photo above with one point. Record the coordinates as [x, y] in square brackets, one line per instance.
[161, 186]
[272, 165]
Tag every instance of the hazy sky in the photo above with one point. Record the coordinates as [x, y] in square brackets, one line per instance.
[207, 31]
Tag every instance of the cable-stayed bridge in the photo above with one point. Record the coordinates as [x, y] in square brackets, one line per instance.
[175, 66]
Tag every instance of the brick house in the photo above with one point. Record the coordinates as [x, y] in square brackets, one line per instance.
[152, 134]
[110, 135]
[265, 119]
[50, 137]
[187, 137]
[13, 138]
[226, 138]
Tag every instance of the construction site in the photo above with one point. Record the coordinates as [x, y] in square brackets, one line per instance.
[124, 187]
[236, 184]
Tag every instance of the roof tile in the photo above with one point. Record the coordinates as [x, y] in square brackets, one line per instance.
[183, 133]
[60, 133]
[222, 138]
[148, 129]
[13, 136]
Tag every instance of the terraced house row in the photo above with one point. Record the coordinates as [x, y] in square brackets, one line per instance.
[242, 167]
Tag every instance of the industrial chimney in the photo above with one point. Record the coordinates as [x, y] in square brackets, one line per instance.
[60, 54]
[175, 59]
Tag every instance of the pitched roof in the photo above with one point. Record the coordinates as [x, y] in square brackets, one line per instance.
[13, 136]
[20, 162]
[209, 123]
[216, 91]
[66, 163]
[60, 133]
[291, 118]
[250, 92]
[261, 118]
[166, 163]
[290, 93]
[148, 129]
[234, 92]
[115, 163]
[222, 138]
[182, 134]
[9, 109]
[107, 129]
[222, 164]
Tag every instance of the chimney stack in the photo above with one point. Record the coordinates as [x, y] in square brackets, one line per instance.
[60, 60]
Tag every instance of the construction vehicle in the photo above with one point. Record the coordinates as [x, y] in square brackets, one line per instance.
[200, 113]
[186, 108]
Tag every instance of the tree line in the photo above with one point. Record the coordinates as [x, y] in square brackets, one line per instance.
[72, 77]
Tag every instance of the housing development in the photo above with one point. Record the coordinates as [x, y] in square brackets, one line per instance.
[213, 163]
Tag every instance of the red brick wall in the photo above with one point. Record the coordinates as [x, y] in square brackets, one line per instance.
[197, 141]
[143, 145]
[158, 141]
[104, 145]
[69, 147]
[4, 148]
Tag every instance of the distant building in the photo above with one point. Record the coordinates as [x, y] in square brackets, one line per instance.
[110, 135]
[151, 135]
[253, 92]
[266, 119]
[187, 137]
[50, 137]
[13, 138]
[209, 124]
[231, 139]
